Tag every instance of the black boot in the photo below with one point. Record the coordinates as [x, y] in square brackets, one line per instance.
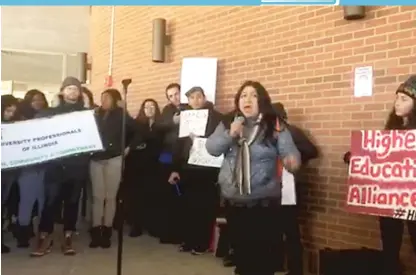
[106, 237]
[135, 232]
[23, 233]
[4, 249]
[95, 233]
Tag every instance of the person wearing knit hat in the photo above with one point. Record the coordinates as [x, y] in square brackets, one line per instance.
[402, 117]
[63, 176]
[71, 88]
[409, 86]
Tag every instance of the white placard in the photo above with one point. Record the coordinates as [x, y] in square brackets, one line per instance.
[199, 155]
[39, 140]
[363, 81]
[288, 188]
[193, 122]
[201, 72]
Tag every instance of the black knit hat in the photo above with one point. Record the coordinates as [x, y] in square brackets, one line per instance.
[69, 81]
[409, 87]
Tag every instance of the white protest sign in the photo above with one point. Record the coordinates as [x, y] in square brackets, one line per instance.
[199, 155]
[288, 188]
[193, 122]
[39, 140]
[200, 72]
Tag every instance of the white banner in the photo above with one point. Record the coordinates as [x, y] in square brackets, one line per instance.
[39, 140]
[200, 157]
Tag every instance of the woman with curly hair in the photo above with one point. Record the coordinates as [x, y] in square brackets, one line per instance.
[141, 167]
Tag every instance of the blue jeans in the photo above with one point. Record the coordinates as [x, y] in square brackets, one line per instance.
[7, 180]
[32, 190]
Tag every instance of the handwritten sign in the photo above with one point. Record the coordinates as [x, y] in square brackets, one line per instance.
[193, 122]
[382, 174]
[288, 188]
[200, 157]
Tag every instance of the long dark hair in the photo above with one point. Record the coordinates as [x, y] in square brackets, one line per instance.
[141, 116]
[115, 95]
[26, 109]
[395, 122]
[6, 102]
[32, 93]
[88, 93]
[265, 107]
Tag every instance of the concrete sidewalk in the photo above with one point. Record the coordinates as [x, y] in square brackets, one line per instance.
[142, 256]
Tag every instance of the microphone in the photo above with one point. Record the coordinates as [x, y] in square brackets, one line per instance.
[239, 119]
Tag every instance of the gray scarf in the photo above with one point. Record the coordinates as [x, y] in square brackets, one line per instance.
[242, 170]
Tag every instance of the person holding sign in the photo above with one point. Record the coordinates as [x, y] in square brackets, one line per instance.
[8, 115]
[248, 177]
[197, 182]
[105, 167]
[31, 179]
[64, 179]
[402, 117]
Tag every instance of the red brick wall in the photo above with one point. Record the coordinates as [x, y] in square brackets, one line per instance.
[305, 56]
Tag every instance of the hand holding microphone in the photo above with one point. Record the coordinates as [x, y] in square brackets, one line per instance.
[236, 128]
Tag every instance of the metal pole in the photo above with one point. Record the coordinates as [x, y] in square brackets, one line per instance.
[120, 201]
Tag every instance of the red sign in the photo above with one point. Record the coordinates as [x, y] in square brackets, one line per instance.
[382, 174]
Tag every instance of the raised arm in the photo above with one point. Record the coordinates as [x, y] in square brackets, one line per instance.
[219, 142]
[134, 131]
[166, 119]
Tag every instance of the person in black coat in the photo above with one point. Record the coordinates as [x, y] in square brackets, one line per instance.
[198, 183]
[141, 172]
[31, 179]
[402, 117]
[168, 200]
[289, 213]
[105, 167]
[64, 179]
[9, 106]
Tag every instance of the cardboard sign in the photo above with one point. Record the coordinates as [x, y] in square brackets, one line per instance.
[199, 155]
[382, 174]
[193, 122]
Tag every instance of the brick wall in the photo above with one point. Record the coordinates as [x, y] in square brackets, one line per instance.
[305, 56]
